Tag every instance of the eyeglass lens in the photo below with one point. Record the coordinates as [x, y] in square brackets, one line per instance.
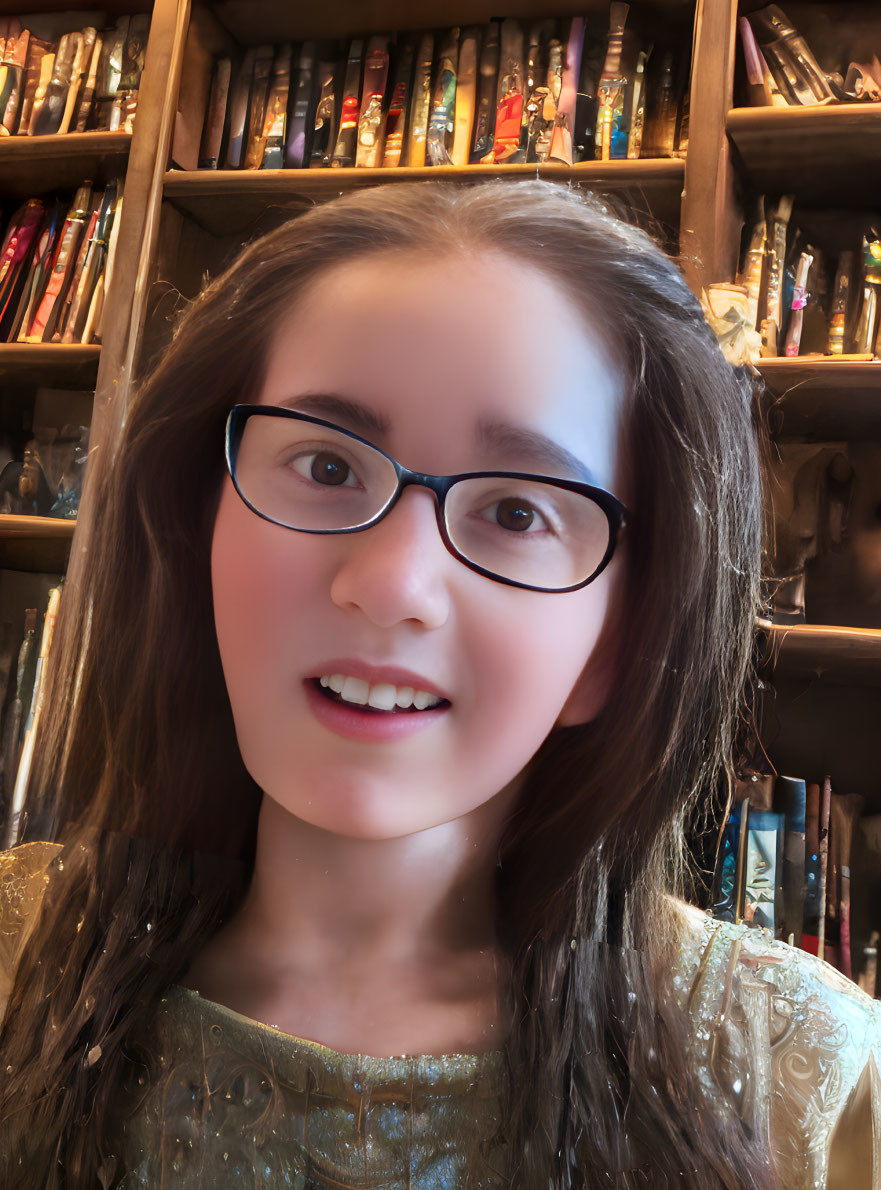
[306, 476]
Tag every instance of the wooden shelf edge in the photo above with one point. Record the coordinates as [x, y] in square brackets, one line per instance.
[15, 527]
[11, 353]
[68, 144]
[192, 183]
[843, 655]
[830, 117]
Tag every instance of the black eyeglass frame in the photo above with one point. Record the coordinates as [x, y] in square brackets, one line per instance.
[616, 513]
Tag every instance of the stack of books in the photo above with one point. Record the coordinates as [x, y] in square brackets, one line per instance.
[85, 80]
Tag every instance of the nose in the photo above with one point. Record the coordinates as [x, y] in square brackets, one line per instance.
[397, 570]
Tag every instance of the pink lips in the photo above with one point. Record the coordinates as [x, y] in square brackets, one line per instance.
[367, 725]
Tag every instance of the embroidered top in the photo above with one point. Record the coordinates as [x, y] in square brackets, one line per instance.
[223, 1101]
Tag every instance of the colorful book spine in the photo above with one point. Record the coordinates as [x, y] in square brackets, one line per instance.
[420, 103]
[370, 117]
[564, 120]
[509, 97]
[63, 262]
[396, 120]
[441, 122]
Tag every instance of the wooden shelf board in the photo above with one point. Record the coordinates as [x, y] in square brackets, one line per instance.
[824, 399]
[222, 201]
[34, 165]
[35, 543]
[825, 155]
[843, 656]
[62, 365]
[42, 527]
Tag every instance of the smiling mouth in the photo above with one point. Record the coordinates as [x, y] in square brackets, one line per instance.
[381, 698]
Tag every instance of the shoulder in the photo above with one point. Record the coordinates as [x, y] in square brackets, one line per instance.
[787, 1039]
[24, 875]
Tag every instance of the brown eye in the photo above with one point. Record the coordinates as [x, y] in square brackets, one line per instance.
[329, 469]
[514, 514]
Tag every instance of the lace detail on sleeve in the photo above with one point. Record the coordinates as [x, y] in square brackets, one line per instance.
[23, 879]
[793, 1046]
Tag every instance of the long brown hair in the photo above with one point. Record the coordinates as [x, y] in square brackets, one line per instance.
[138, 772]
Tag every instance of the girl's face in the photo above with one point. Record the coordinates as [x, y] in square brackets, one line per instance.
[462, 363]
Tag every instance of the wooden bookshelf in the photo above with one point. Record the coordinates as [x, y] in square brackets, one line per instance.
[68, 365]
[842, 656]
[827, 155]
[34, 165]
[35, 543]
[822, 400]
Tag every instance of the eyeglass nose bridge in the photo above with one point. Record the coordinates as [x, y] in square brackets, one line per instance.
[438, 484]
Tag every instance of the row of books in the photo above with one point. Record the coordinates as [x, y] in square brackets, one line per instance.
[55, 264]
[85, 80]
[801, 303]
[23, 653]
[562, 90]
[790, 849]
[781, 71]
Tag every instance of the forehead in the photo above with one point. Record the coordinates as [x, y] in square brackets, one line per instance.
[439, 346]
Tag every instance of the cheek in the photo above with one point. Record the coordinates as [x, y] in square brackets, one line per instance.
[531, 660]
[258, 585]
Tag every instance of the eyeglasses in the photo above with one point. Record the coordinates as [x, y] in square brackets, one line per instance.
[531, 531]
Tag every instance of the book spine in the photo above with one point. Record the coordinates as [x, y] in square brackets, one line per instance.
[212, 132]
[564, 120]
[62, 265]
[298, 148]
[88, 96]
[370, 118]
[420, 104]
[47, 66]
[466, 94]
[509, 96]
[255, 140]
[396, 120]
[325, 125]
[346, 143]
[441, 121]
[238, 110]
[275, 119]
[487, 86]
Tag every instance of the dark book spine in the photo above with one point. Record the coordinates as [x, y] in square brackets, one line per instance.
[299, 147]
[344, 150]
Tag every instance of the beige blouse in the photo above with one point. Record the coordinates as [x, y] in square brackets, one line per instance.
[224, 1101]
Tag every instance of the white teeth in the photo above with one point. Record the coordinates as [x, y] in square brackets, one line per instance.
[355, 690]
[382, 696]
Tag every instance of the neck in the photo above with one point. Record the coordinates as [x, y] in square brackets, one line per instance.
[323, 900]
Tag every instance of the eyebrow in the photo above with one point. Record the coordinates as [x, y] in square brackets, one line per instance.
[491, 435]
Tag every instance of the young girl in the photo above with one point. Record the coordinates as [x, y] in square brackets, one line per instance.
[412, 637]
